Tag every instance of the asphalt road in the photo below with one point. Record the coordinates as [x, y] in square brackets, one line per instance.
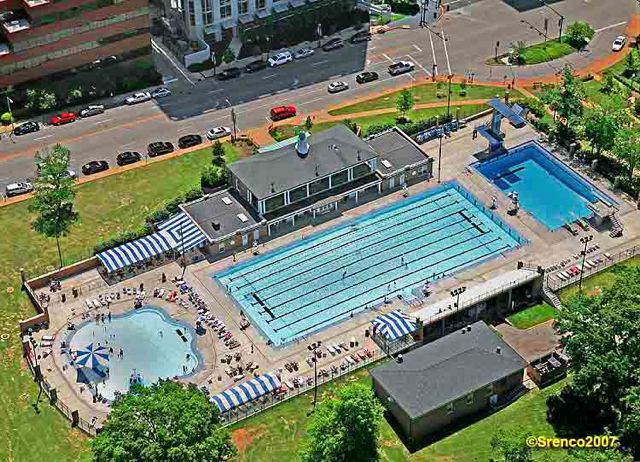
[461, 42]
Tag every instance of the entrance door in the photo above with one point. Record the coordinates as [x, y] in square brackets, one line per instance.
[392, 182]
[245, 240]
[256, 234]
[402, 180]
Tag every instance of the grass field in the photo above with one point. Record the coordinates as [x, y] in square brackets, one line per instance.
[594, 284]
[106, 207]
[278, 434]
[426, 93]
[546, 51]
[283, 132]
[532, 316]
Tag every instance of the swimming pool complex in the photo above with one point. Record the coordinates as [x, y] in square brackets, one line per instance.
[311, 284]
[151, 347]
[546, 188]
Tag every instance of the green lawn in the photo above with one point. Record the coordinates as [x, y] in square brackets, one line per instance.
[106, 207]
[426, 93]
[546, 51]
[532, 316]
[283, 132]
[278, 434]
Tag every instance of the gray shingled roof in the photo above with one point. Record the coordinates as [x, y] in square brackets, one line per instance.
[285, 169]
[448, 368]
[397, 149]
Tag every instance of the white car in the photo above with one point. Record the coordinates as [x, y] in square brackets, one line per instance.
[280, 59]
[16, 189]
[72, 174]
[338, 86]
[218, 132]
[136, 98]
[401, 67]
[303, 53]
[618, 43]
[160, 92]
[92, 110]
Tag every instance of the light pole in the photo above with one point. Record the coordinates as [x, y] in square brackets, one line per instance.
[585, 240]
[184, 262]
[268, 46]
[313, 347]
[456, 293]
[449, 77]
[560, 22]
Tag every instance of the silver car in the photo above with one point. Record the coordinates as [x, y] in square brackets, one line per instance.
[335, 87]
[303, 53]
[92, 110]
[218, 132]
[160, 92]
[136, 98]
[16, 189]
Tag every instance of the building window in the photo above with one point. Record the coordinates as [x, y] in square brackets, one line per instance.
[207, 12]
[469, 399]
[260, 4]
[221, 247]
[244, 6]
[489, 390]
[450, 408]
[225, 8]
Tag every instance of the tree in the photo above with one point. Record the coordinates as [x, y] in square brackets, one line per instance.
[308, 124]
[597, 455]
[218, 154]
[53, 195]
[405, 102]
[40, 100]
[510, 446]
[229, 56]
[601, 335]
[600, 129]
[632, 64]
[518, 50]
[164, 422]
[213, 176]
[345, 428]
[579, 33]
[351, 125]
[627, 148]
[75, 95]
[566, 101]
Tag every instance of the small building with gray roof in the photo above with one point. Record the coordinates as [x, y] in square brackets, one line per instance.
[458, 375]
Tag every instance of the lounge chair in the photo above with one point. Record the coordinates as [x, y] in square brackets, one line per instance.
[571, 229]
[331, 350]
[566, 274]
[47, 338]
[96, 303]
[561, 276]
[89, 303]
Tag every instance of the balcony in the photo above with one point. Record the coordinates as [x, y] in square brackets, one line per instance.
[35, 3]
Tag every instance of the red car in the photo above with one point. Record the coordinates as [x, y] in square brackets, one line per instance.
[63, 118]
[283, 112]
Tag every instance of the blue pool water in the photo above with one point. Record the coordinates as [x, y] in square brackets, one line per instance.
[325, 278]
[150, 344]
[546, 188]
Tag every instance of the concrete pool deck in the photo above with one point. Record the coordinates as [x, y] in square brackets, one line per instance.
[544, 248]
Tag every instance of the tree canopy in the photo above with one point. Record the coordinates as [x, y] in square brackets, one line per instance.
[164, 422]
[405, 101]
[626, 147]
[345, 429]
[566, 100]
[510, 446]
[579, 33]
[602, 337]
[53, 195]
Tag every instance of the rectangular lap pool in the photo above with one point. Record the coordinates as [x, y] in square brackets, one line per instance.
[316, 282]
[546, 188]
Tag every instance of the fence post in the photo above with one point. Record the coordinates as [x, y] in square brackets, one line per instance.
[53, 396]
[75, 418]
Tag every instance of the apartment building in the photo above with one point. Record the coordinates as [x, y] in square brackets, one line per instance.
[48, 38]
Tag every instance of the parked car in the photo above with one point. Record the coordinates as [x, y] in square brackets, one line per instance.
[187, 141]
[71, 174]
[92, 110]
[619, 42]
[333, 44]
[401, 67]
[27, 127]
[95, 166]
[367, 76]
[338, 86]
[280, 59]
[63, 118]
[128, 157]
[139, 97]
[160, 92]
[218, 132]
[303, 53]
[254, 66]
[283, 112]
[16, 189]
[159, 148]
[229, 73]
[361, 36]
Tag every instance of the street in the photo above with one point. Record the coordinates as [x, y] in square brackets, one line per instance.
[461, 42]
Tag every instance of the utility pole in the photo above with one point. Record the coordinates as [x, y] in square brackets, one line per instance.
[560, 21]
[313, 347]
[585, 240]
[441, 135]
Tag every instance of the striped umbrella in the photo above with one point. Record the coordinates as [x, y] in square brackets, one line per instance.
[93, 356]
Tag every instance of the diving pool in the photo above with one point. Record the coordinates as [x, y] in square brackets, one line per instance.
[323, 279]
[151, 345]
[549, 190]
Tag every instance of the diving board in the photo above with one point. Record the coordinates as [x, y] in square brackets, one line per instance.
[505, 111]
[495, 142]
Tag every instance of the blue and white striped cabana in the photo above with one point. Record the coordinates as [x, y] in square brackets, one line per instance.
[178, 233]
[394, 325]
[245, 392]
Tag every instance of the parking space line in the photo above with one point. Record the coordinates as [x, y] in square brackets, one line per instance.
[417, 48]
[102, 121]
[446, 53]
[270, 76]
[386, 57]
[611, 26]
[433, 53]
[42, 137]
[320, 63]
[217, 90]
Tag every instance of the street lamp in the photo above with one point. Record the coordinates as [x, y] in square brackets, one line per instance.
[449, 77]
[560, 22]
[585, 240]
[313, 347]
[456, 293]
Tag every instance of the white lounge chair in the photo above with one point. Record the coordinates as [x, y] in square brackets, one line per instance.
[89, 303]
[96, 303]
[47, 338]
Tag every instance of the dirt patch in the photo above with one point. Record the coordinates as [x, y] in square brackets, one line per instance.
[595, 292]
[242, 437]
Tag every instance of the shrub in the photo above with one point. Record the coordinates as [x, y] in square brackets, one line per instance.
[535, 106]
[123, 238]
[5, 118]
[579, 33]
[213, 176]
